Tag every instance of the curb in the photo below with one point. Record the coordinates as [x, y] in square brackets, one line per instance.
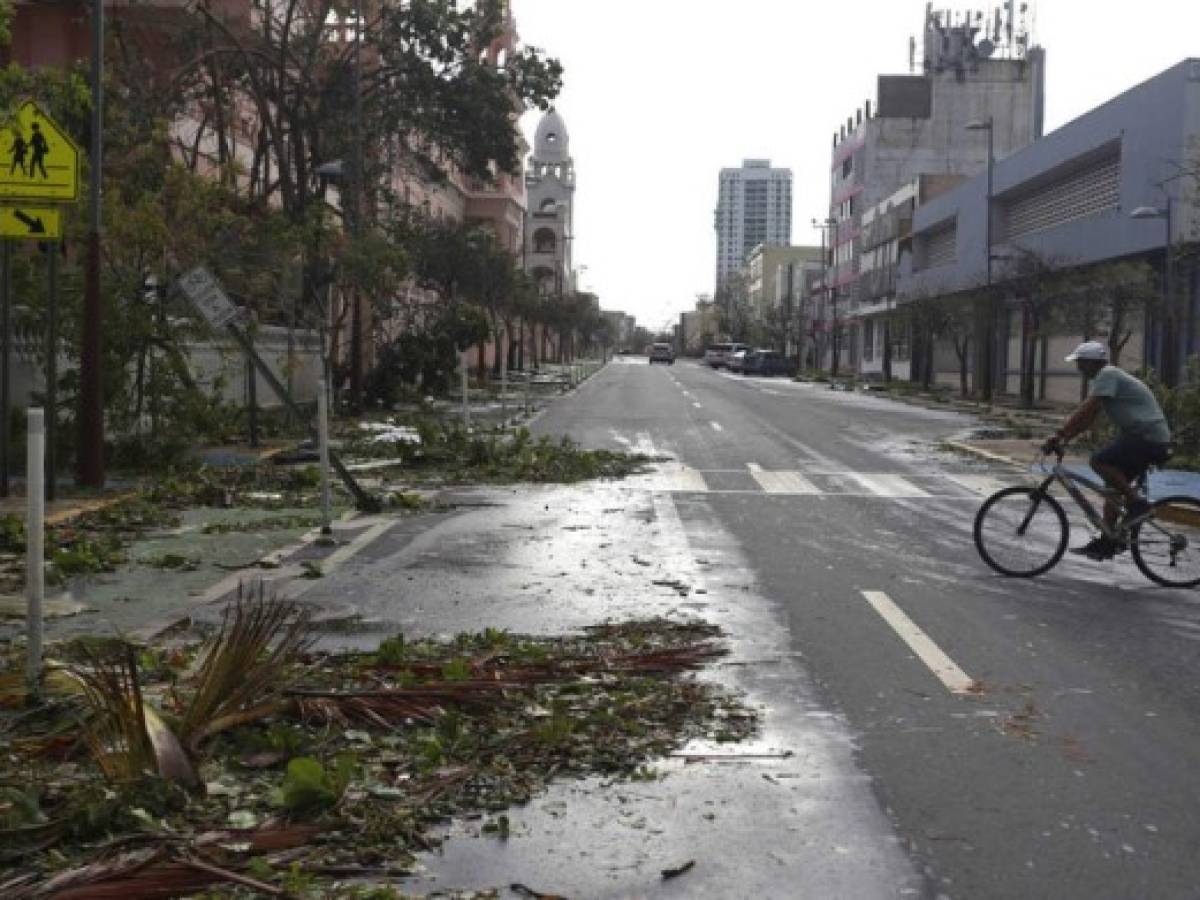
[972, 450]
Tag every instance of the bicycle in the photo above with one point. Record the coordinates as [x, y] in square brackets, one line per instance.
[1028, 522]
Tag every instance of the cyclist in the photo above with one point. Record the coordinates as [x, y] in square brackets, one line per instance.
[1144, 438]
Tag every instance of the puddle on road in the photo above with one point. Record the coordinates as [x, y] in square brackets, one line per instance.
[757, 817]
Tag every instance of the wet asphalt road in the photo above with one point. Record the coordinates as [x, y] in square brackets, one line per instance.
[1073, 771]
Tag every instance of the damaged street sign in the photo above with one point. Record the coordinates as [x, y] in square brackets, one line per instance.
[208, 297]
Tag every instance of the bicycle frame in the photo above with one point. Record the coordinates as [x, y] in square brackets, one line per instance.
[1071, 481]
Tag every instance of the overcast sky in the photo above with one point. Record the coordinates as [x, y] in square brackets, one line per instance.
[659, 95]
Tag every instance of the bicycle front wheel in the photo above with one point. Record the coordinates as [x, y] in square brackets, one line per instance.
[1166, 546]
[1021, 532]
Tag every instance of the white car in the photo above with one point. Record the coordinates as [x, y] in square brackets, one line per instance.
[718, 355]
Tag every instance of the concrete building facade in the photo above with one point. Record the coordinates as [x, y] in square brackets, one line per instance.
[918, 126]
[698, 328]
[754, 206]
[769, 271]
[1066, 202]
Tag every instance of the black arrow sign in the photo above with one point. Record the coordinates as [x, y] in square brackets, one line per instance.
[35, 226]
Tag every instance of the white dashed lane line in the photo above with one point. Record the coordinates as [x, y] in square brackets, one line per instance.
[948, 673]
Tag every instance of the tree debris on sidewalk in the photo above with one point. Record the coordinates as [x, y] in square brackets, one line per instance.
[251, 763]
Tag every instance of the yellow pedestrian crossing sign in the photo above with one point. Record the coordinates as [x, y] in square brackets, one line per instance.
[38, 161]
[30, 223]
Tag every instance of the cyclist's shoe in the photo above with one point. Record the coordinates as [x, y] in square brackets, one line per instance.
[1135, 512]
[1100, 549]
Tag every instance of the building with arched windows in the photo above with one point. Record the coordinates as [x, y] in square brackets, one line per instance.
[550, 185]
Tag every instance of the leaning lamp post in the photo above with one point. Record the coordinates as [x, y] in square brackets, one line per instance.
[1170, 367]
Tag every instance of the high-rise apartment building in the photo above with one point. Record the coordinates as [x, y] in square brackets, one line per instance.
[754, 206]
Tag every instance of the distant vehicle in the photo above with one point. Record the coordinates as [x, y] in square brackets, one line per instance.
[718, 355]
[767, 363]
[662, 353]
[737, 361]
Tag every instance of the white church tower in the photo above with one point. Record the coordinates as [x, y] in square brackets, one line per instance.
[549, 228]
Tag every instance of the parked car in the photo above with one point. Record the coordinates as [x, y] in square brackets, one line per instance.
[718, 355]
[737, 360]
[767, 363]
[663, 353]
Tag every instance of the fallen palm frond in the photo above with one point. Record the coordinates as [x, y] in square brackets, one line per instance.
[246, 665]
[116, 729]
[373, 749]
[126, 736]
[164, 871]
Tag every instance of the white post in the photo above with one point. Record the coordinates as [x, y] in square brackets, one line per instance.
[35, 523]
[466, 395]
[503, 349]
[323, 450]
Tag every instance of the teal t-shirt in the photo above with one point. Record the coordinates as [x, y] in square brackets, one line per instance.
[1130, 405]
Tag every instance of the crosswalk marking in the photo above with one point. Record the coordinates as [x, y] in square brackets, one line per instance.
[681, 478]
[888, 485]
[983, 485]
[781, 482]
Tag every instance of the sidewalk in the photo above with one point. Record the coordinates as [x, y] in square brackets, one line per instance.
[1024, 454]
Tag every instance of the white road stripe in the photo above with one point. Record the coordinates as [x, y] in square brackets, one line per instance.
[948, 673]
[983, 485]
[716, 426]
[781, 482]
[681, 478]
[888, 485]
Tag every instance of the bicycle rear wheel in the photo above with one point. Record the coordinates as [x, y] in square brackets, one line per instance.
[1166, 546]
[1021, 532]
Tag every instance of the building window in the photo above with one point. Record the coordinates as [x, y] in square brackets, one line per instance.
[941, 246]
[544, 241]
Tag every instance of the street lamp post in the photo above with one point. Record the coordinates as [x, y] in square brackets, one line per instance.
[1170, 367]
[984, 321]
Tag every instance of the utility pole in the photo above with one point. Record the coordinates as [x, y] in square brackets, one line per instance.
[90, 455]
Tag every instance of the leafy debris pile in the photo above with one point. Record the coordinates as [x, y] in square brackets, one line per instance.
[450, 454]
[253, 763]
[94, 541]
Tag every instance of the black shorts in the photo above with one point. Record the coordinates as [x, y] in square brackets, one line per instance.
[1132, 455]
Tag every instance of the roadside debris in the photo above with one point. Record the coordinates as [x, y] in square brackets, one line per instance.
[678, 870]
[252, 762]
[450, 454]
